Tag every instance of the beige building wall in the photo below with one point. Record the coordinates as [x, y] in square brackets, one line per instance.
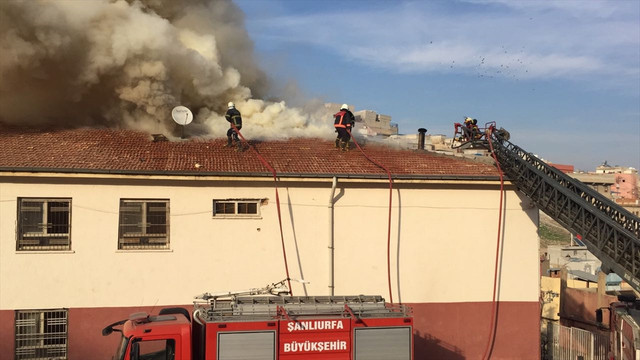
[443, 242]
[550, 293]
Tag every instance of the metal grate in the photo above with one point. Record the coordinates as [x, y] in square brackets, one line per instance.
[144, 224]
[41, 334]
[257, 345]
[44, 224]
[382, 343]
[569, 343]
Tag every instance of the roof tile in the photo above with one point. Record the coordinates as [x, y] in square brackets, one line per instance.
[116, 150]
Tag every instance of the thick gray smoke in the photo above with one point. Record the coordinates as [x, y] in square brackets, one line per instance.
[128, 63]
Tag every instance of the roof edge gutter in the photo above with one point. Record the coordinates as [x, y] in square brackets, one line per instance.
[196, 175]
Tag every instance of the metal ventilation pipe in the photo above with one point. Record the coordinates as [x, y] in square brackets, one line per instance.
[331, 246]
[421, 134]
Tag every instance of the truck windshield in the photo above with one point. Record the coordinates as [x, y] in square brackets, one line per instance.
[122, 348]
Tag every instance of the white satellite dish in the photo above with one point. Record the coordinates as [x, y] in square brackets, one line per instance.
[182, 115]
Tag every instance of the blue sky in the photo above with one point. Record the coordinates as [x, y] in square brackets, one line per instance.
[562, 76]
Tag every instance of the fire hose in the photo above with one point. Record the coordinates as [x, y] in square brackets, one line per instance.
[494, 303]
[389, 219]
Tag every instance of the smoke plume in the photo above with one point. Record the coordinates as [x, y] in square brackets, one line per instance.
[126, 64]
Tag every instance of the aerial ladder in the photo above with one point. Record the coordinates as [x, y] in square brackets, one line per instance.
[609, 231]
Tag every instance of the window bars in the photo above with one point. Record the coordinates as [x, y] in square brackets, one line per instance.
[44, 224]
[41, 334]
[144, 224]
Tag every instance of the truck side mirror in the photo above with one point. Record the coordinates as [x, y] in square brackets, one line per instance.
[599, 315]
[135, 349]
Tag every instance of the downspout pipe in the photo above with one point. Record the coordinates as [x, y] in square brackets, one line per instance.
[331, 238]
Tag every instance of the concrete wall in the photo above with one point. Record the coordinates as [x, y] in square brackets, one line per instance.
[550, 293]
[443, 243]
[379, 123]
[625, 187]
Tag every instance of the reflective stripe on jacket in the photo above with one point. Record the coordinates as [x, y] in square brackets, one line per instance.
[342, 119]
[233, 116]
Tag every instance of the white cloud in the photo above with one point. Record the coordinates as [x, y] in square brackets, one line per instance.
[593, 8]
[499, 38]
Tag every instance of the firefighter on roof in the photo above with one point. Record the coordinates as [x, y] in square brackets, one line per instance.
[343, 122]
[235, 119]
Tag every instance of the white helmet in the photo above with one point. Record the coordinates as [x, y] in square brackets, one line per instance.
[231, 104]
[344, 107]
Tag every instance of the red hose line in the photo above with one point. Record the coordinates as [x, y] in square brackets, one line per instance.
[389, 220]
[275, 185]
[494, 303]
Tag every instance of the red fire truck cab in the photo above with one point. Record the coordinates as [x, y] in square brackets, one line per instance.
[271, 328]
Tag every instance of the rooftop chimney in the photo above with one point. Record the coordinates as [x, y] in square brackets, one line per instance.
[421, 133]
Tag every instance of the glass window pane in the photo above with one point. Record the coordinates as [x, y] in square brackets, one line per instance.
[247, 208]
[225, 207]
[156, 218]
[157, 349]
[31, 213]
[218, 208]
[131, 218]
[58, 217]
[242, 208]
[252, 208]
[230, 208]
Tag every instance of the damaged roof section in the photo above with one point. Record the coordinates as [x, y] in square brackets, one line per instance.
[91, 150]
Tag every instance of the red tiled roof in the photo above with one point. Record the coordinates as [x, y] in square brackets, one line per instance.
[127, 151]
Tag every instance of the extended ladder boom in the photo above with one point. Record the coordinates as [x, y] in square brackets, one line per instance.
[610, 232]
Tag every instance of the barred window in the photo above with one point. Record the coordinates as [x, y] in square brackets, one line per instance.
[44, 224]
[144, 224]
[41, 334]
[237, 207]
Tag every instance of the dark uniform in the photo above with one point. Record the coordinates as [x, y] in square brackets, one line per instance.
[471, 130]
[343, 121]
[233, 117]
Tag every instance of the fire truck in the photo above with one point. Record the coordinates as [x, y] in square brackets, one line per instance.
[251, 325]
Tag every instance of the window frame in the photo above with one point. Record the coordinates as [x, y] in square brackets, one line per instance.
[148, 344]
[236, 214]
[47, 333]
[145, 240]
[55, 241]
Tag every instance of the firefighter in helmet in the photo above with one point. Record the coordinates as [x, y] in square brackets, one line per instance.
[235, 119]
[470, 129]
[343, 122]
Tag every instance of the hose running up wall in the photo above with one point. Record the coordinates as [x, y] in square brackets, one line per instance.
[389, 219]
[494, 303]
